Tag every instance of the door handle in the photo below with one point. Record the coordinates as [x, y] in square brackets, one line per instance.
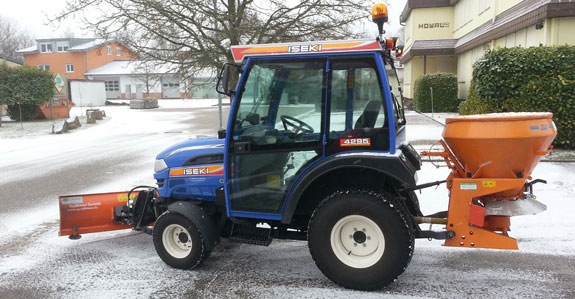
[241, 147]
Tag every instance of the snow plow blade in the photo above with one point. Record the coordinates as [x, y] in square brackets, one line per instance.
[90, 213]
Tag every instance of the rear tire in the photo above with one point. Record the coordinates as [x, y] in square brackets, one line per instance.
[361, 239]
[178, 241]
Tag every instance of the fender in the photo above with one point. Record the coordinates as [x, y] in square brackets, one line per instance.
[202, 221]
[392, 165]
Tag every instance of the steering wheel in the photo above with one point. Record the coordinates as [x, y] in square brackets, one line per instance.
[297, 126]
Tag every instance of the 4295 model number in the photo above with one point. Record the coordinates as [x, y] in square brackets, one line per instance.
[355, 142]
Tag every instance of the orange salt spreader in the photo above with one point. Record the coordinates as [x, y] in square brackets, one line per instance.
[491, 158]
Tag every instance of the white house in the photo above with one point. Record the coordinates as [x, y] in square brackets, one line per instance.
[131, 79]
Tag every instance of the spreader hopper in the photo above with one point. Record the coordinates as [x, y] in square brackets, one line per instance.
[502, 145]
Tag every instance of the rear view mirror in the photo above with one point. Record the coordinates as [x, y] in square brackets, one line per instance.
[223, 85]
[222, 134]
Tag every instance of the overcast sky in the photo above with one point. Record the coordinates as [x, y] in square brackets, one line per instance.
[31, 16]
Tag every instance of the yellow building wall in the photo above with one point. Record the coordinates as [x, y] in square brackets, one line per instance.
[503, 5]
[419, 66]
[464, 73]
[411, 71]
[470, 14]
[499, 43]
[429, 23]
[561, 31]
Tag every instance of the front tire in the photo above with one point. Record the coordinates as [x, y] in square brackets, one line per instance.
[178, 241]
[361, 239]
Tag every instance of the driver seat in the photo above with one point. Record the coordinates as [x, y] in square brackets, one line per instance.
[369, 116]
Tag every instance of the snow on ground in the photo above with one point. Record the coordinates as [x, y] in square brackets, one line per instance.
[546, 233]
[124, 119]
[33, 129]
[123, 264]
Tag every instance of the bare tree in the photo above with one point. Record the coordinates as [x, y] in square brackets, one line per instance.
[148, 73]
[68, 33]
[199, 33]
[12, 39]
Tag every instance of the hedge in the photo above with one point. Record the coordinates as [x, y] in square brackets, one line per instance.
[473, 105]
[532, 80]
[27, 86]
[444, 93]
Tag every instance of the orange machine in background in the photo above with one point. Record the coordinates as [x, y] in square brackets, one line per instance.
[59, 108]
[491, 158]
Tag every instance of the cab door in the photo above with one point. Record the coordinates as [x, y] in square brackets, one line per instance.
[276, 131]
[359, 114]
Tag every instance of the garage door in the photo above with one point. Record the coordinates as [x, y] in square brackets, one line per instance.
[113, 89]
[170, 87]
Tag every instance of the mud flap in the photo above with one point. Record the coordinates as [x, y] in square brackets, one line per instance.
[90, 213]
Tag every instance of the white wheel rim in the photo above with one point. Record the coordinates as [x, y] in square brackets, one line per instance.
[177, 241]
[357, 241]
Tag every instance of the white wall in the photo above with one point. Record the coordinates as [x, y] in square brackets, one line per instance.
[133, 80]
[88, 93]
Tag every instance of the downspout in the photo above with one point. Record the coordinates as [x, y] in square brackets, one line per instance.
[424, 64]
[85, 64]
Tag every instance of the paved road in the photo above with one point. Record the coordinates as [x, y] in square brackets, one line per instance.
[35, 263]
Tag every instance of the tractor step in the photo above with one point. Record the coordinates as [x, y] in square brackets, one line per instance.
[251, 235]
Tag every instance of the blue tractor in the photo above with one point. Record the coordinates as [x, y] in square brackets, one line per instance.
[315, 149]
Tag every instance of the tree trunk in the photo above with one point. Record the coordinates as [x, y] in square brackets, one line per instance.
[20, 109]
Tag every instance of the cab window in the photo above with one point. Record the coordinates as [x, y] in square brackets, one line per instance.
[281, 103]
[357, 106]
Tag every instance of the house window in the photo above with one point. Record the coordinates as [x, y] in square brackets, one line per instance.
[109, 50]
[69, 68]
[46, 48]
[62, 46]
[44, 67]
[118, 52]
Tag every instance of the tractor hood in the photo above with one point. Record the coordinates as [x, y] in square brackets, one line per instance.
[177, 154]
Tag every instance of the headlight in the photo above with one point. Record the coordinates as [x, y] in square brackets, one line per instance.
[160, 165]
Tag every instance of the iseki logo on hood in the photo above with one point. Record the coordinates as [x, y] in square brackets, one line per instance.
[304, 48]
[196, 171]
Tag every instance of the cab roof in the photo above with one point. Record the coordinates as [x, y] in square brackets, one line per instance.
[312, 47]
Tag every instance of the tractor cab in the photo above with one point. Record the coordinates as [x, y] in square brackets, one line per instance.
[296, 105]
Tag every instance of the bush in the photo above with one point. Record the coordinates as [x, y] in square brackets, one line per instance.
[531, 80]
[444, 93]
[474, 105]
[29, 112]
